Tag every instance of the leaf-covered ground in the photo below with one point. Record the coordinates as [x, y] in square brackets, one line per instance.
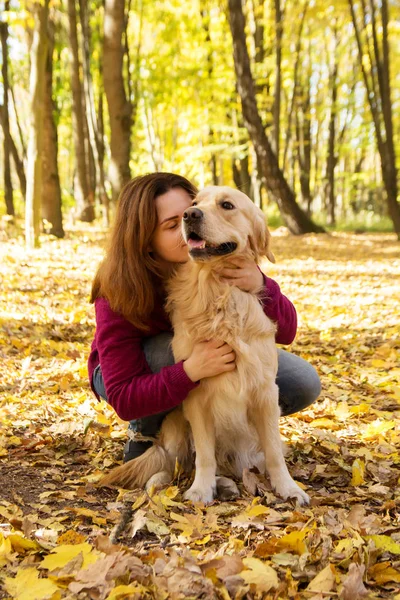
[56, 440]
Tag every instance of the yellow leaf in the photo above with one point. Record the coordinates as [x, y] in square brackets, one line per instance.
[346, 546]
[324, 423]
[178, 517]
[27, 586]
[91, 514]
[71, 537]
[126, 591]
[62, 555]
[64, 383]
[139, 501]
[383, 573]
[324, 581]
[384, 543]
[360, 408]
[204, 540]
[378, 363]
[257, 510]
[357, 471]
[21, 544]
[294, 541]
[166, 497]
[396, 392]
[172, 491]
[261, 575]
[378, 427]
[5, 550]
[14, 441]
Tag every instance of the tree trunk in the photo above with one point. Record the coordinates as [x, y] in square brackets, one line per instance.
[295, 86]
[95, 135]
[295, 218]
[84, 199]
[303, 133]
[51, 189]
[205, 20]
[241, 175]
[19, 165]
[278, 77]
[38, 55]
[332, 159]
[119, 106]
[377, 84]
[21, 137]
[8, 190]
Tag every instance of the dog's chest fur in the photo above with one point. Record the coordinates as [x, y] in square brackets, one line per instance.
[202, 307]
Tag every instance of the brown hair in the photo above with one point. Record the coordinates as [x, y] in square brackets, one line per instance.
[127, 275]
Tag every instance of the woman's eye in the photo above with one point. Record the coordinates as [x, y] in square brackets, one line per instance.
[227, 205]
[173, 226]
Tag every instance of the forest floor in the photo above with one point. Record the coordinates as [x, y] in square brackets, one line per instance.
[56, 441]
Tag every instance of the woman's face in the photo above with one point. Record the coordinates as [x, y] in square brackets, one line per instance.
[168, 244]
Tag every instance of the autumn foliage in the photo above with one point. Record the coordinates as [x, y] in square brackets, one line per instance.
[56, 441]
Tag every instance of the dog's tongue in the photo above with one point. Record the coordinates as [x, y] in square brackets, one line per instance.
[196, 243]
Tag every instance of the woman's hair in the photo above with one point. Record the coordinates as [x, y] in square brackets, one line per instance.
[126, 277]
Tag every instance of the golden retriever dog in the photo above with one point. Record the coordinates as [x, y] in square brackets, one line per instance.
[230, 420]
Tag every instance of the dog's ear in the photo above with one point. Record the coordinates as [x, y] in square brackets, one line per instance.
[261, 239]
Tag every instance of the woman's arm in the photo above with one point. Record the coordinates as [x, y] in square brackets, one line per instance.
[248, 276]
[280, 310]
[132, 389]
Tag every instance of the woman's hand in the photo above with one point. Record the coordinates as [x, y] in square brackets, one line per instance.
[244, 274]
[208, 359]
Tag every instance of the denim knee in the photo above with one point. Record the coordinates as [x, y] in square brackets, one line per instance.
[158, 352]
[298, 382]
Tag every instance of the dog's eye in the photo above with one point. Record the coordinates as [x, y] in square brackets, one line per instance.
[227, 205]
[194, 203]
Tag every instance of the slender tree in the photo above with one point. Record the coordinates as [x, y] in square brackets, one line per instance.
[331, 154]
[303, 135]
[279, 16]
[119, 104]
[295, 84]
[95, 135]
[376, 76]
[295, 218]
[38, 54]
[83, 193]
[19, 165]
[8, 190]
[51, 189]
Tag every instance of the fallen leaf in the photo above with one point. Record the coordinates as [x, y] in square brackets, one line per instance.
[27, 586]
[262, 576]
[324, 581]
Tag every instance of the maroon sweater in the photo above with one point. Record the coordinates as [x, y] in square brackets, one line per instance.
[132, 389]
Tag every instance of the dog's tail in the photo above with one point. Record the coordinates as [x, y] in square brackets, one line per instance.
[136, 473]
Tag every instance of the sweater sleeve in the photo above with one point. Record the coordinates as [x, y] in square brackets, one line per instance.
[132, 389]
[279, 309]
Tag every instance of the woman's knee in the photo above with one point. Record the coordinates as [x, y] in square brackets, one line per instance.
[298, 382]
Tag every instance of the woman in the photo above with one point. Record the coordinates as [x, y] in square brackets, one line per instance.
[131, 364]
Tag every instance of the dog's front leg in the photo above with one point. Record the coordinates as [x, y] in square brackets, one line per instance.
[201, 421]
[265, 415]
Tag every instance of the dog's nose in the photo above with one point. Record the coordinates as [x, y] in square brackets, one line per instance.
[192, 214]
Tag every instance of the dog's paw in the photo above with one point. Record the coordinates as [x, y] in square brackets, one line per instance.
[159, 480]
[196, 494]
[226, 489]
[290, 489]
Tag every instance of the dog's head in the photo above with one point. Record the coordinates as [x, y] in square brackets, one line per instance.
[224, 221]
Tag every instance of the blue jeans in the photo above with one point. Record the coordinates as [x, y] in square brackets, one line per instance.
[298, 382]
